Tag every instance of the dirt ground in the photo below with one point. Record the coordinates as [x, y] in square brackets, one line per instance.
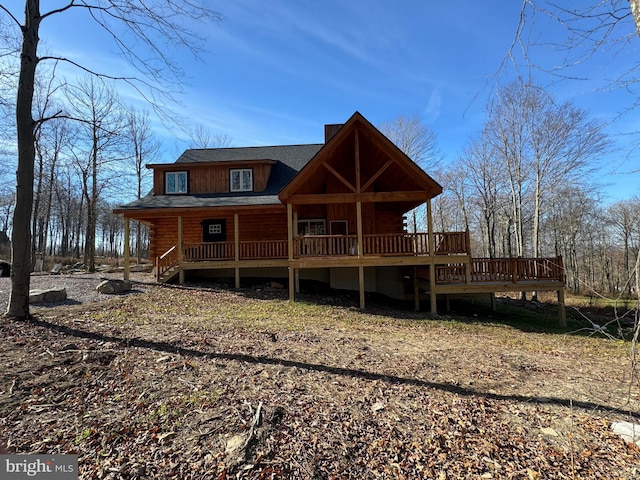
[170, 382]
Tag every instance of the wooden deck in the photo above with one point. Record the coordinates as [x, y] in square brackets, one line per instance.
[450, 259]
[448, 269]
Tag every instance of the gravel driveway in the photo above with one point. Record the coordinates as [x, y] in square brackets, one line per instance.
[81, 287]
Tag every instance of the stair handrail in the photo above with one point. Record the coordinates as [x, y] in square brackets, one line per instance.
[166, 261]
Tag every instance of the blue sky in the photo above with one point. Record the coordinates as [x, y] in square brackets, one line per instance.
[277, 71]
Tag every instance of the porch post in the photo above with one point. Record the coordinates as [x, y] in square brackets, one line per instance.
[432, 265]
[360, 252]
[236, 246]
[292, 293]
[562, 309]
[180, 252]
[416, 290]
[430, 239]
[359, 228]
[127, 257]
[361, 285]
[296, 273]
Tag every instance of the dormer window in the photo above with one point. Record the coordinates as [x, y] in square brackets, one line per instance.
[241, 180]
[175, 182]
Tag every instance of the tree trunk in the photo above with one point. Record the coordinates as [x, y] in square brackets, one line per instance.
[18, 306]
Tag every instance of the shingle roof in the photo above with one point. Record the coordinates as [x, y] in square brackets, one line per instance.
[295, 156]
[289, 161]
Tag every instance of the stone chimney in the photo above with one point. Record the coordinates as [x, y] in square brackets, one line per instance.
[331, 130]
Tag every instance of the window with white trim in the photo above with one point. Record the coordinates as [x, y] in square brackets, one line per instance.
[241, 180]
[175, 182]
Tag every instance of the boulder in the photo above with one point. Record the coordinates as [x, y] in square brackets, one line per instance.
[627, 431]
[5, 269]
[111, 287]
[52, 295]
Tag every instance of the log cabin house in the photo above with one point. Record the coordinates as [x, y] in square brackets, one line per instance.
[332, 212]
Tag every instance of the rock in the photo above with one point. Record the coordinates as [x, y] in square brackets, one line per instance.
[5, 269]
[141, 268]
[56, 268]
[628, 431]
[52, 295]
[111, 287]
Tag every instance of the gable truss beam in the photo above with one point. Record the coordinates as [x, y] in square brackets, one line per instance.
[376, 175]
[339, 177]
[366, 197]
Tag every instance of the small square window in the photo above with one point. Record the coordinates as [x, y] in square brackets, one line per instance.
[175, 182]
[241, 180]
[215, 229]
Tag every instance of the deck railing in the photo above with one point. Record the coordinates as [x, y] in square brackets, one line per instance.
[451, 242]
[263, 250]
[504, 270]
[398, 244]
[382, 244]
[194, 252]
[325, 245]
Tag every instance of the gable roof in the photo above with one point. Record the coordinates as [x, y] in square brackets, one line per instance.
[294, 165]
[294, 156]
[403, 165]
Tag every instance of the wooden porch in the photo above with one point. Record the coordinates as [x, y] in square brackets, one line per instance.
[442, 264]
[325, 249]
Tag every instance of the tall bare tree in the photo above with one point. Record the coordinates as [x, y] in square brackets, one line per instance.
[203, 137]
[145, 149]
[419, 142]
[99, 144]
[129, 23]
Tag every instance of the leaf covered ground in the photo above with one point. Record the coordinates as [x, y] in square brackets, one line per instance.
[188, 383]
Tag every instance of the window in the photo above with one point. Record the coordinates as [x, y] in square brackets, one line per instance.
[215, 229]
[312, 227]
[175, 182]
[241, 180]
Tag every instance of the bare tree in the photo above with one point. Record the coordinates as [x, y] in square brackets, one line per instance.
[145, 150]
[157, 26]
[419, 142]
[484, 173]
[202, 137]
[99, 144]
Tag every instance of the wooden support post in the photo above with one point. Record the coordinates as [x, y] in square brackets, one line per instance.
[430, 239]
[467, 272]
[416, 290]
[127, 253]
[359, 228]
[361, 285]
[295, 233]
[180, 252]
[292, 292]
[236, 246]
[562, 308]
[432, 289]
[492, 298]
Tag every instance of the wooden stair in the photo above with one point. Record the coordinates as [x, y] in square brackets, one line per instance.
[168, 275]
